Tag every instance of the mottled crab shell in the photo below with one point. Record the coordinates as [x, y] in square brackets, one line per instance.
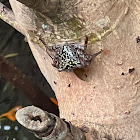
[71, 56]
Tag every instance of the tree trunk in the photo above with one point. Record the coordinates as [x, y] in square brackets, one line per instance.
[103, 98]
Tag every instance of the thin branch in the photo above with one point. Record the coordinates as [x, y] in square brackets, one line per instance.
[21, 81]
[7, 15]
[47, 126]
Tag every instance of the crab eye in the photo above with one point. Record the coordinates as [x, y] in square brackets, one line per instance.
[72, 45]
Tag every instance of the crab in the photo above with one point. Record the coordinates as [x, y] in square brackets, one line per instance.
[71, 56]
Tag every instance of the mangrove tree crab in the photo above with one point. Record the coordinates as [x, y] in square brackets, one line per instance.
[71, 56]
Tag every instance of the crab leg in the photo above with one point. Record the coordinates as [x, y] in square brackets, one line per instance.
[96, 54]
[86, 42]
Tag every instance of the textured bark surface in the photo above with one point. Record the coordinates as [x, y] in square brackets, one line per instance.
[47, 126]
[103, 99]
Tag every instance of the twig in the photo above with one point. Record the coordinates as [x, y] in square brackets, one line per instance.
[47, 126]
[7, 15]
[21, 81]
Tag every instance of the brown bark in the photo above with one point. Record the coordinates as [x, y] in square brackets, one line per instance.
[46, 7]
[103, 99]
[7, 15]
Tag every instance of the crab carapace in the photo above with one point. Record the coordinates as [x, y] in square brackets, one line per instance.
[71, 56]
